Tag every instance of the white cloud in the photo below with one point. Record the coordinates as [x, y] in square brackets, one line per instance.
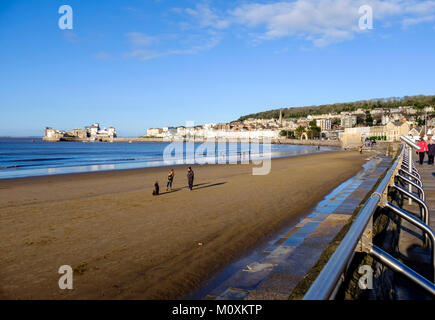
[103, 56]
[408, 22]
[140, 39]
[145, 54]
[206, 17]
[319, 21]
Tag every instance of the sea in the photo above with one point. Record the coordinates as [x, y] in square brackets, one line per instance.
[27, 157]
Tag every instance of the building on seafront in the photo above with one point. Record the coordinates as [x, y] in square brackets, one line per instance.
[391, 132]
[89, 133]
[324, 124]
[381, 123]
[348, 121]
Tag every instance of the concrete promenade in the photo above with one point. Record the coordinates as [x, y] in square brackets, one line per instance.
[278, 269]
[428, 178]
[411, 250]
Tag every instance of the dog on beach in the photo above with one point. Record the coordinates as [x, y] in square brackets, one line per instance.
[156, 189]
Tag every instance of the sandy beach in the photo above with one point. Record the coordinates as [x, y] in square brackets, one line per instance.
[123, 243]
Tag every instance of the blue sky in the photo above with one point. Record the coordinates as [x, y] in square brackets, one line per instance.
[137, 64]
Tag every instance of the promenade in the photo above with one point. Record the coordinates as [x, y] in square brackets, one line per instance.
[428, 178]
[411, 249]
[278, 269]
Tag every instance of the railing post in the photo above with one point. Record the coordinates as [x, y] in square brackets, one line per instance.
[411, 144]
[419, 224]
[401, 268]
[410, 171]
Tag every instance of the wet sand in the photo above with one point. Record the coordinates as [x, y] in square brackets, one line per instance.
[123, 243]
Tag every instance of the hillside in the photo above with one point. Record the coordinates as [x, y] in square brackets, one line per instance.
[418, 102]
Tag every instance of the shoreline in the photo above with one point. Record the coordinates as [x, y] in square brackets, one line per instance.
[150, 243]
[296, 154]
[332, 143]
[130, 172]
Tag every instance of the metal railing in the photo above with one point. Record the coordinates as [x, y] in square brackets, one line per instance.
[359, 236]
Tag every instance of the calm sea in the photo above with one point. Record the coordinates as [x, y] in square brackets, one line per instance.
[25, 157]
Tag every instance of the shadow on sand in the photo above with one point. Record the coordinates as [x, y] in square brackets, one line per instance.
[208, 186]
[195, 187]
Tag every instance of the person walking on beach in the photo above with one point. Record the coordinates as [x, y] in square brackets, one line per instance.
[360, 149]
[423, 149]
[431, 151]
[171, 176]
[190, 176]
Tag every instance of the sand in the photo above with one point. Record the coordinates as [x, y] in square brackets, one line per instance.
[123, 243]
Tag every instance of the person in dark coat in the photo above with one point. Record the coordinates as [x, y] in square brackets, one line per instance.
[431, 151]
[190, 176]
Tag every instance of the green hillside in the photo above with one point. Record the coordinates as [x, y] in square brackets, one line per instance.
[419, 102]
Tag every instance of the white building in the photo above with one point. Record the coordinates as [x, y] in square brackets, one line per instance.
[96, 132]
[94, 129]
[324, 124]
[408, 110]
[377, 111]
[168, 132]
[391, 117]
[112, 131]
[154, 132]
[359, 111]
[363, 131]
[257, 134]
[348, 121]
[52, 134]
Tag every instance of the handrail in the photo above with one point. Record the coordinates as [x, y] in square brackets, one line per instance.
[419, 224]
[414, 170]
[327, 281]
[323, 286]
[412, 176]
[425, 211]
[409, 142]
[419, 188]
[401, 268]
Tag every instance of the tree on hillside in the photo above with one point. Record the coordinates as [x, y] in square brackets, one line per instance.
[287, 133]
[299, 131]
[369, 119]
[314, 131]
[421, 122]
